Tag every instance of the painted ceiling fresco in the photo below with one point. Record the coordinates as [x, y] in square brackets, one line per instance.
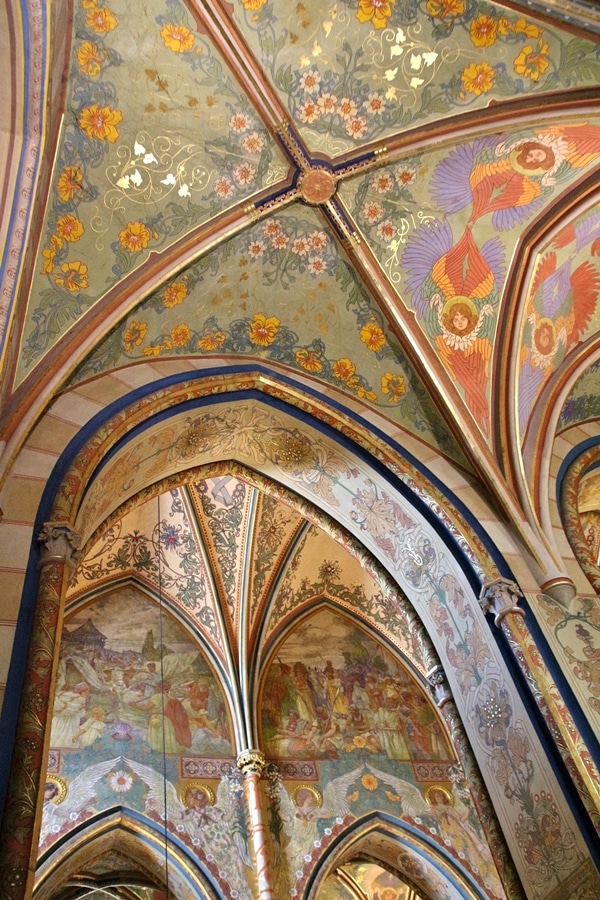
[212, 128]
[147, 714]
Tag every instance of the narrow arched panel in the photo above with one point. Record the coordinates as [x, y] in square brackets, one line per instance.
[350, 732]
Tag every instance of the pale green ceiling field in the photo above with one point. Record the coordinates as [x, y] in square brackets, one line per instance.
[157, 139]
[583, 402]
[284, 292]
[354, 71]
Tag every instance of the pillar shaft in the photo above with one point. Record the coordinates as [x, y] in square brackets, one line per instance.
[252, 764]
[20, 832]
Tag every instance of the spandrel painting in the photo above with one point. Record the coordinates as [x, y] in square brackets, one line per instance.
[333, 692]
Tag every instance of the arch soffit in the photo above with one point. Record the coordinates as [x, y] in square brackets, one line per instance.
[135, 837]
[400, 848]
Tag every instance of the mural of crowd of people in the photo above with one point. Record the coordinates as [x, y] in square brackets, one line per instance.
[333, 691]
[112, 686]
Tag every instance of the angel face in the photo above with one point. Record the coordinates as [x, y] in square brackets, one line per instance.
[460, 319]
[543, 338]
[534, 155]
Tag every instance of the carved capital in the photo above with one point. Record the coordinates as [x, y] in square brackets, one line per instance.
[252, 762]
[439, 686]
[500, 597]
[59, 543]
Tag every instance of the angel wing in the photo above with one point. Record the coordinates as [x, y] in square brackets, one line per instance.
[81, 794]
[159, 790]
[424, 248]
[409, 796]
[335, 794]
[176, 663]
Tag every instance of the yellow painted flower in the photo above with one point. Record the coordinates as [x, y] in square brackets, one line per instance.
[394, 385]
[359, 741]
[180, 335]
[69, 228]
[372, 335]
[504, 26]
[89, 58]
[532, 64]
[263, 330]
[254, 5]
[152, 350]
[522, 26]
[363, 394]
[49, 253]
[100, 19]
[100, 122]
[445, 8]
[175, 294]
[74, 276]
[89, 4]
[308, 360]
[134, 237]
[483, 31]
[134, 335]
[212, 340]
[344, 369]
[478, 78]
[377, 12]
[369, 782]
[177, 38]
[69, 182]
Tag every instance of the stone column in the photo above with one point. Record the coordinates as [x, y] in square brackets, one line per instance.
[19, 833]
[500, 598]
[468, 786]
[252, 763]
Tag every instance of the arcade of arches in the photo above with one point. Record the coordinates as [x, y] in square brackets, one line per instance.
[299, 448]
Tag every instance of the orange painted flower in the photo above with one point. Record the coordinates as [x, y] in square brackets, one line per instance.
[100, 122]
[134, 335]
[134, 237]
[372, 335]
[394, 386]
[89, 58]
[49, 253]
[308, 360]
[175, 294]
[101, 20]
[344, 369]
[212, 340]
[532, 64]
[263, 330]
[89, 4]
[69, 182]
[478, 78]
[180, 335]
[69, 228]
[377, 12]
[369, 782]
[445, 8]
[483, 31]
[74, 276]
[177, 38]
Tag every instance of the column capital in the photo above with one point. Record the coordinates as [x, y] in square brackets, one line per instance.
[500, 597]
[251, 762]
[439, 686]
[59, 543]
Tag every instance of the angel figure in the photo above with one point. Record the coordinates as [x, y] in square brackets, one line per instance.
[301, 820]
[220, 828]
[511, 179]
[80, 796]
[455, 287]
[561, 305]
[453, 824]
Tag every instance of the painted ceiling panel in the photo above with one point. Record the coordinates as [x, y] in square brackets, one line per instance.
[275, 528]
[445, 225]
[157, 138]
[324, 568]
[163, 553]
[223, 506]
[323, 322]
[361, 70]
[562, 307]
[583, 401]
